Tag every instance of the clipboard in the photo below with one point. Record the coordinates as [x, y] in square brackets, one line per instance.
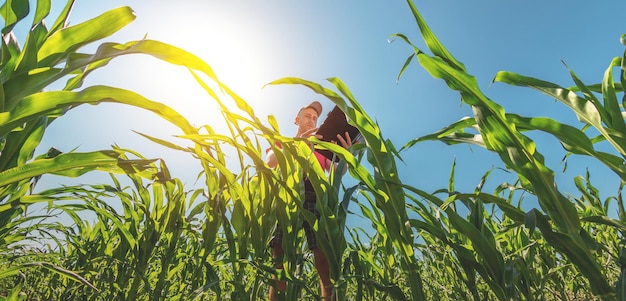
[336, 122]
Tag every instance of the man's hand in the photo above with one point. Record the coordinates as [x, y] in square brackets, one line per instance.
[345, 142]
[309, 133]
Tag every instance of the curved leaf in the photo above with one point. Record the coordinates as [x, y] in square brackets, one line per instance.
[42, 10]
[41, 104]
[585, 110]
[452, 134]
[12, 11]
[69, 39]
[76, 164]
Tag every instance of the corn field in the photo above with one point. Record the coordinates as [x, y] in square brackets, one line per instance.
[166, 241]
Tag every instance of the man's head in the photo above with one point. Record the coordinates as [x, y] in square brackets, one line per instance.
[315, 105]
[308, 115]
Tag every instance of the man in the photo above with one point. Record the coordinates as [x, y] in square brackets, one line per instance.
[306, 120]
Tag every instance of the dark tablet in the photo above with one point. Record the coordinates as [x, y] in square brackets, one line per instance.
[336, 122]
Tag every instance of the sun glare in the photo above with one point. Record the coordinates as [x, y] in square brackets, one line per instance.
[224, 40]
[246, 49]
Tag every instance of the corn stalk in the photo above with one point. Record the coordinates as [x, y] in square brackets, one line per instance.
[502, 134]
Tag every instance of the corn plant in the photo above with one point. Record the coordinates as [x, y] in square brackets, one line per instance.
[371, 269]
[502, 133]
[146, 250]
[211, 243]
[385, 184]
[242, 202]
[48, 56]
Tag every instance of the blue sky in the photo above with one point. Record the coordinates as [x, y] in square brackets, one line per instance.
[251, 43]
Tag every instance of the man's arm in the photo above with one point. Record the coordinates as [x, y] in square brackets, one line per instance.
[346, 142]
[271, 158]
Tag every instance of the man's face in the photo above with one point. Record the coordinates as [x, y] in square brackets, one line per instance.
[307, 119]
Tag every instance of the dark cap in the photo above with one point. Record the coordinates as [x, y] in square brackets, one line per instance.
[315, 105]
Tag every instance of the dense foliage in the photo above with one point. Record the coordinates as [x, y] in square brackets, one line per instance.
[170, 242]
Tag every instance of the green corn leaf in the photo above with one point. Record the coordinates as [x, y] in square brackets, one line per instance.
[404, 67]
[26, 83]
[42, 11]
[572, 139]
[511, 211]
[130, 238]
[55, 269]
[392, 290]
[13, 11]
[622, 78]
[171, 145]
[19, 145]
[10, 53]
[75, 164]
[27, 59]
[576, 254]
[62, 18]
[584, 110]
[431, 41]
[70, 39]
[484, 246]
[609, 93]
[590, 98]
[430, 228]
[42, 104]
[605, 220]
[451, 134]
[157, 49]
[598, 87]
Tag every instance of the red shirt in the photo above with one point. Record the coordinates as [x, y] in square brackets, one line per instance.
[320, 158]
